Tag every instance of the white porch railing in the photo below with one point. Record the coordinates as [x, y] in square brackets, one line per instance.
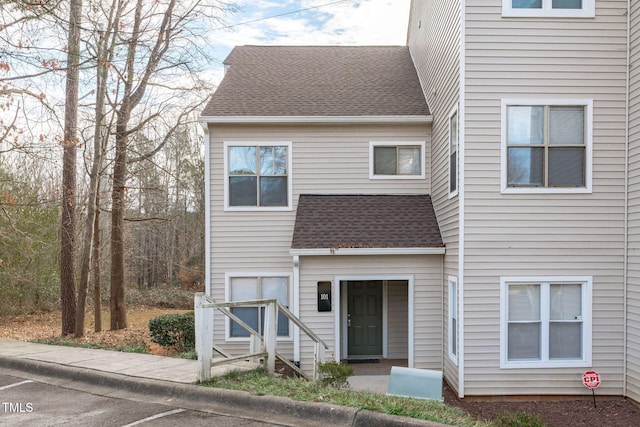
[259, 346]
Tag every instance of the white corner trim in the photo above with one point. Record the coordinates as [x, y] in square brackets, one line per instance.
[423, 119]
[366, 251]
[207, 211]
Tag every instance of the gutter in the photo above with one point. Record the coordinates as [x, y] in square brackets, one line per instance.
[414, 119]
[366, 251]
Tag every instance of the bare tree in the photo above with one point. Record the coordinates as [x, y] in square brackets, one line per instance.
[67, 220]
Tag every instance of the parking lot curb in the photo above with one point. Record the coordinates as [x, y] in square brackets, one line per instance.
[293, 412]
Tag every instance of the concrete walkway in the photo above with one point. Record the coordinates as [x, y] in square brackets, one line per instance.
[132, 364]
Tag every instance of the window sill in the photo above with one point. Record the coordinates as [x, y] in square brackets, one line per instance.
[568, 363]
[258, 208]
[546, 190]
[555, 13]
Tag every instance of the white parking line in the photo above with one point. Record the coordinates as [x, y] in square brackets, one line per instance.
[15, 385]
[155, 417]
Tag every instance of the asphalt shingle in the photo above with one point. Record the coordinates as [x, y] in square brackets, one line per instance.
[365, 221]
[318, 81]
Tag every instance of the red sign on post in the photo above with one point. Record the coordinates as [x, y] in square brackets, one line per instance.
[591, 379]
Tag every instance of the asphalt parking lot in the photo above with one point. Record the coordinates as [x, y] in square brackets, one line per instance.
[25, 402]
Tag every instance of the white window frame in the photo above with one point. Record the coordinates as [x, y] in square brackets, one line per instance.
[289, 146]
[454, 113]
[588, 10]
[452, 332]
[252, 275]
[545, 362]
[588, 141]
[373, 144]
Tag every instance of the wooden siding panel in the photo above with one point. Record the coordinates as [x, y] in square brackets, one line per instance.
[543, 235]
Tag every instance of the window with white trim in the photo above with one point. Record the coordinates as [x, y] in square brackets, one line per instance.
[549, 8]
[258, 175]
[453, 319]
[546, 322]
[453, 154]
[546, 146]
[248, 288]
[395, 160]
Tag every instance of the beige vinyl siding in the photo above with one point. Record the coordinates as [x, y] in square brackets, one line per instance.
[427, 275]
[633, 284]
[543, 234]
[434, 40]
[327, 159]
[398, 320]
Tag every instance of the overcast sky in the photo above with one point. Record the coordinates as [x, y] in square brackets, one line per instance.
[312, 22]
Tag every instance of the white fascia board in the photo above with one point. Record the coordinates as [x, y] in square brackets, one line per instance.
[366, 251]
[424, 119]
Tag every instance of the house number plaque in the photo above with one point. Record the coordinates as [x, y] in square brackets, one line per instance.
[324, 296]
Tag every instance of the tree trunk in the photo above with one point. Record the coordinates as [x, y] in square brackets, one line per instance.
[97, 303]
[94, 185]
[118, 307]
[67, 220]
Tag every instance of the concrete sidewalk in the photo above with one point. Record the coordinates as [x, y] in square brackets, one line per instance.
[132, 364]
[166, 378]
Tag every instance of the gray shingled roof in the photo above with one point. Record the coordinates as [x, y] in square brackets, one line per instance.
[318, 81]
[365, 221]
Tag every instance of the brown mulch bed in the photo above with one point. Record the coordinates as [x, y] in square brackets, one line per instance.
[609, 411]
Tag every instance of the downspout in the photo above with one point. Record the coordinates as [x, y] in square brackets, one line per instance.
[296, 308]
[207, 210]
[461, 198]
[626, 204]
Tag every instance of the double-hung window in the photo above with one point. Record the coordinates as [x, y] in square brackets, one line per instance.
[546, 322]
[251, 288]
[396, 160]
[549, 8]
[546, 146]
[453, 319]
[258, 175]
[453, 154]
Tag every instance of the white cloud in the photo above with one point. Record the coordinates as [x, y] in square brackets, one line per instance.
[355, 22]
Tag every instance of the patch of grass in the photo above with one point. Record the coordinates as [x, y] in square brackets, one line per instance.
[518, 419]
[258, 383]
[132, 348]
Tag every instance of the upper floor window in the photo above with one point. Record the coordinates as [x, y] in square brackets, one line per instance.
[453, 154]
[396, 160]
[546, 147]
[258, 175]
[549, 8]
[546, 322]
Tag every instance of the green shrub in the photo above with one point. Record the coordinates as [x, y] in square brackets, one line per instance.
[335, 374]
[518, 419]
[174, 330]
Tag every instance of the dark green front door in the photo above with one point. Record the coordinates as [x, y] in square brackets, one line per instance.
[364, 318]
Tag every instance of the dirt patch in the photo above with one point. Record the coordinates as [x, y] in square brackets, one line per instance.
[48, 325]
[609, 412]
